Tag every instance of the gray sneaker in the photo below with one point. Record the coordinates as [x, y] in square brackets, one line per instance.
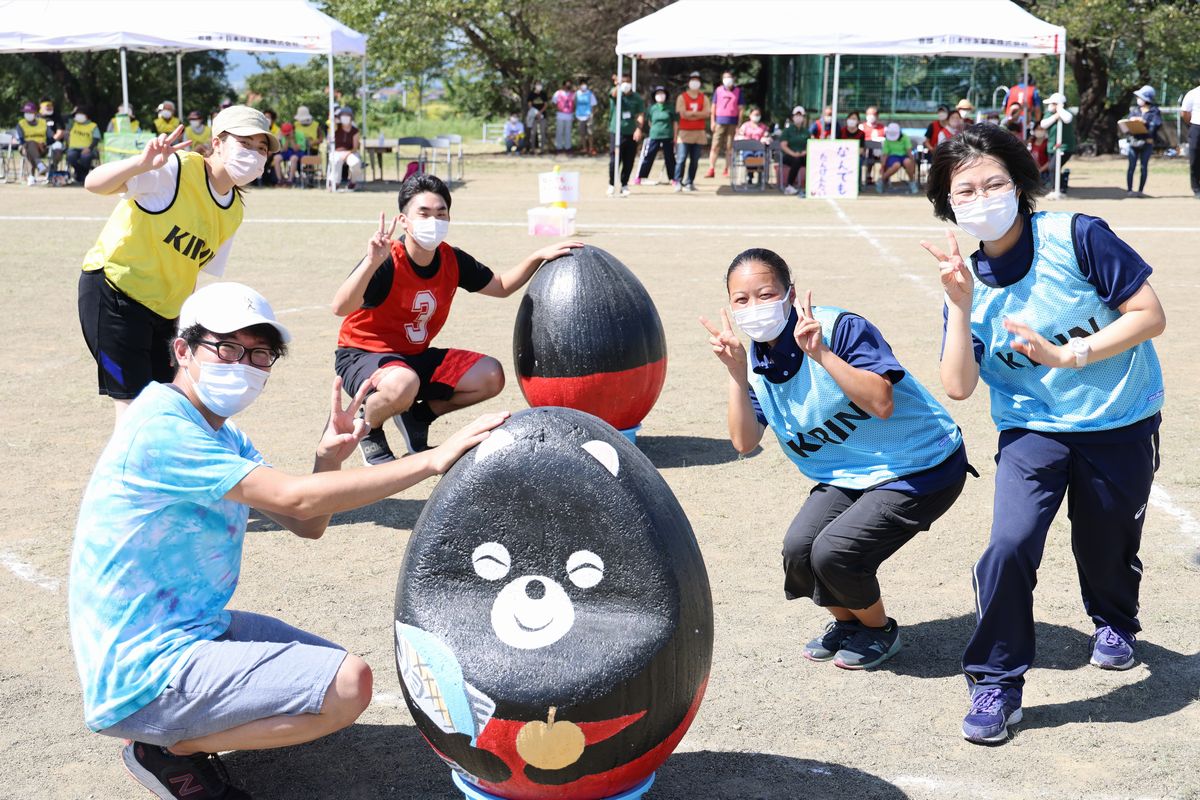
[869, 647]
[827, 645]
[374, 448]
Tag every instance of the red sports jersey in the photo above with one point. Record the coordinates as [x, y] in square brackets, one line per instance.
[413, 312]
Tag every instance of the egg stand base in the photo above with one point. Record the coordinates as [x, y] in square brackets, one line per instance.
[471, 792]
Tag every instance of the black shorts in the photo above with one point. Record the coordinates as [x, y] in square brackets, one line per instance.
[131, 344]
[439, 370]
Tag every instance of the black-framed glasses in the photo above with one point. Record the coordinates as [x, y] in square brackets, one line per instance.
[233, 352]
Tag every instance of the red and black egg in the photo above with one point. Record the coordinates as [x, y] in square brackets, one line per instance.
[554, 622]
[588, 337]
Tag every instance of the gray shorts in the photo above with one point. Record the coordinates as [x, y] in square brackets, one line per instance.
[259, 668]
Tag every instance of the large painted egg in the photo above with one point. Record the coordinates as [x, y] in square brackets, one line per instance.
[589, 337]
[553, 614]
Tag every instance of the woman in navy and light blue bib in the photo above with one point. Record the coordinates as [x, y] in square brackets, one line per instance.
[1055, 314]
[887, 458]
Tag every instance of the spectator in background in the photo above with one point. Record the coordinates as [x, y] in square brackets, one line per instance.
[692, 109]
[1025, 95]
[271, 173]
[198, 133]
[664, 127]
[965, 110]
[633, 116]
[585, 109]
[754, 130]
[897, 153]
[56, 132]
[83, 137]
[727, 104]
[308, 132]
[165, 120]
[514, 134]
[1189, 110]
[535, 119]
[793, 143]
[345, 151]
[852, 128]
[1057, 111]
[1141, 145]
[823, 127]
[564, 116]
[873, 131]
[124, 121]
[1014, 120]
[933, 133]
[1039, 149]
[31, 136]
[287, 160]
[953, 126]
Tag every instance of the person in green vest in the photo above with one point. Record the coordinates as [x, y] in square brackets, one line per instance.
[1057, 111]
[633, 116]
[83, 137]
[793, 142]
[664, 123]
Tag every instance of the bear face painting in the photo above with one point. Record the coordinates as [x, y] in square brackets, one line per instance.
[553, 613]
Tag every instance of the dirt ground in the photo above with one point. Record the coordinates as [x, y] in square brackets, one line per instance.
[773, 725]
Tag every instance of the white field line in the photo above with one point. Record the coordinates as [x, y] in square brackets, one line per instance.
[613, 226]
[966, 789]
[1188, 525]
[389, 699]
[27, 572]
[886, 255]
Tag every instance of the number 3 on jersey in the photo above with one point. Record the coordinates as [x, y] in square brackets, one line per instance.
[424, 305]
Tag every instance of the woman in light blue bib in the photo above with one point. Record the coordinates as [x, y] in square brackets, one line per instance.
[1055, 314]
[887, 459]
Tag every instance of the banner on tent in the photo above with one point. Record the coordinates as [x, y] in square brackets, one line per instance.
[832, 168]
[117, 146]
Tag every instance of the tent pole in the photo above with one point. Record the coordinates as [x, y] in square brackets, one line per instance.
[615, 168]
[895, 80]
[633, 73]
[179, 83]
[824, 84]
[1062, 72]
[362, 140]
[837, 73]
[1024, 80]
[124, 80]
[332, 121]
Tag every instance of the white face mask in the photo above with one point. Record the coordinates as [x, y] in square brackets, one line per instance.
[851, 124]
[693, 85]
[429, 232]
[871, 119]
[197, 124]
[537, 87]
[942, 115]
[755, 118]
[626, 88]
[81, 118]
[763, 322]
[227, 389]
[798, 119]
[583, 87]
[345, 119]
[660, 98]
[828, 120]
[988, 218]
[241, 163]
[30, 117]
[727, 83]
[165, 114]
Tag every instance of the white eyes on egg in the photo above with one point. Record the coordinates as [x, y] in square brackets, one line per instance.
[585, 568]
[492, 562]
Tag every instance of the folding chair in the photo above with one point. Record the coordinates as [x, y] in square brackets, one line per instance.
[456, 141]
[310, 171]
[748, 156]
[422, 158]
[11, 158]
[446, 157]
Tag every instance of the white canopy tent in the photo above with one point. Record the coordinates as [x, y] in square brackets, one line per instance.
[980, 28]
[280, 26]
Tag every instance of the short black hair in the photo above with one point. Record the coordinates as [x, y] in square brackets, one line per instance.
[772, 260]
[975, 142]
[193, 334]
[419, 184]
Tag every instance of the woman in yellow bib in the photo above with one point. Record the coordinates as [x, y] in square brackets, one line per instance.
[177, 216]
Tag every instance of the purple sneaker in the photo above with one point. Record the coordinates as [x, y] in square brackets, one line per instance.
[993, 709]
[1112, 649]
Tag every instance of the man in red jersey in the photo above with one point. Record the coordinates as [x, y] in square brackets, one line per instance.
[395, 302]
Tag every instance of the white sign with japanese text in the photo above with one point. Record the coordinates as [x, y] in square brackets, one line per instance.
[832, 168]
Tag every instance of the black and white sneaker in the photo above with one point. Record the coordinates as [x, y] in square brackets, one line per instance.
[195, 777]
[416, 434]
[374, 448]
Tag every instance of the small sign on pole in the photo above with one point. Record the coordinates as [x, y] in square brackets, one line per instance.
[558, 187]
[833, 166]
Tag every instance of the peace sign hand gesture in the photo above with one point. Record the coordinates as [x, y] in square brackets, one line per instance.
[957, 282]
[726, 345]
[380, 245]
[162, 147]
[345, 428]
[808, 329]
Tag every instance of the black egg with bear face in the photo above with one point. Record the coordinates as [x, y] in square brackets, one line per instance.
[553, 613]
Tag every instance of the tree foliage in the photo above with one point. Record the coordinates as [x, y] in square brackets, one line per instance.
[285, 87]
[93, 80]
[1116, 46]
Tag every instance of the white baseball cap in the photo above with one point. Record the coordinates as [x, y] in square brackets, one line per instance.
[227, 307]
[1058, 98]
[303, 115]
[245, 121]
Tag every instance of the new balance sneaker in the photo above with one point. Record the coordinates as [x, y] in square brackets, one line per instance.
[416, 434]
[826, 646]
[1112, 649]
[374, 448]
[993, 709]
[869, 647]
[194, 777]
